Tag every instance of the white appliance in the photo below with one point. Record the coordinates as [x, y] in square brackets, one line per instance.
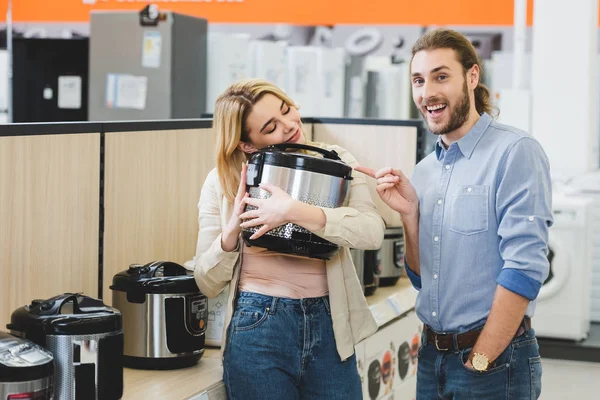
[333, 77]
[227, 63]
[389, 94]
[563, 304]
[303, 78]
[268, 60]
[316, 80]
[217, 310]
[589, 185]
[3, 86]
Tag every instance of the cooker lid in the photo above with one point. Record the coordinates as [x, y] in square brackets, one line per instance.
[276, 155]
[66, 314]
[22, 360]
[155, 277]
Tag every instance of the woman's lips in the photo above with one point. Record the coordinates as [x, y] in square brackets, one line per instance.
[294, 137]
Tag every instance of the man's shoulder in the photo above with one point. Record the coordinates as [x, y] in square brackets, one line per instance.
[508, 133]
[511, 139]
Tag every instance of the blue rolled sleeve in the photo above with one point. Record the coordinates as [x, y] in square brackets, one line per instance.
[414, 278]
[524, 212]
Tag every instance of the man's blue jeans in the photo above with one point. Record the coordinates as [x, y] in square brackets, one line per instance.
[516, 374]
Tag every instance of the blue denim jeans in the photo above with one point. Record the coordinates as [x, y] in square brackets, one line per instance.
[516, 374]
[280, 348]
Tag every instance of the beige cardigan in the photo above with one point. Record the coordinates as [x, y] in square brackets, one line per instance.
[356, 226]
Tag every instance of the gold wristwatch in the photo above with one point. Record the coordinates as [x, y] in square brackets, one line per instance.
[480, 362]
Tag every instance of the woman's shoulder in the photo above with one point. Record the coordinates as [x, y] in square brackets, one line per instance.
[212, 181]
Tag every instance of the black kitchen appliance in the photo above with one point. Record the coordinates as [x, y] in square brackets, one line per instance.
[85, 338]
[164, 315]
[50, 79]
[26, 370]
[368, 268]
[319, 181]
[392, 256]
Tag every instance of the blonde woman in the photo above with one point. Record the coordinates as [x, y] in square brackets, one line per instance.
[292, 322]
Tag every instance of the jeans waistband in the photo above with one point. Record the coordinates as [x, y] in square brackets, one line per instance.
[275, 302]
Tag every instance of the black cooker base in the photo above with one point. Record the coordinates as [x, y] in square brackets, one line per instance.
[161, 363]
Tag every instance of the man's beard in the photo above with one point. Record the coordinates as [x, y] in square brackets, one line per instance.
[458, 114]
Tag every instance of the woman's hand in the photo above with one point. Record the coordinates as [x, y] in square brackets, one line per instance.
[270, 213]
[395, 189]
[229, 238]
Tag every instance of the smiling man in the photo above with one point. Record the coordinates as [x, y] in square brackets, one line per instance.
[476, 215]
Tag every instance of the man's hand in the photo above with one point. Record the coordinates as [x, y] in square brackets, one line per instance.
[395, 189]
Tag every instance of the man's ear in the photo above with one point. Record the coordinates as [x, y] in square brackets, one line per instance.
[247, 147]
[474, 76]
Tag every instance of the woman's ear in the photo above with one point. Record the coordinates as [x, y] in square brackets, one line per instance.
[247, 147]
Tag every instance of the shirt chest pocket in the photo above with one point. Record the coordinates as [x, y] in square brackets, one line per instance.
[469, 211]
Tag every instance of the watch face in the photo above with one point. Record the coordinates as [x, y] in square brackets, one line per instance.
[479, 362]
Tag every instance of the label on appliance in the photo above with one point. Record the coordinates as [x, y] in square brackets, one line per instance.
[126, 91]
[198, 313]
[151, 47]
[69, 92]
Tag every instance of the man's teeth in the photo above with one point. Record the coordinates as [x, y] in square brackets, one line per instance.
[436, 107]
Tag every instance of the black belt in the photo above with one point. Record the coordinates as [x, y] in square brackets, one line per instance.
[446, 341]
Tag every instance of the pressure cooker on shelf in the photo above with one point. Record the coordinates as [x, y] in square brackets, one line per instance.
[26, 370]
[368, 268]
[164, 315]
[85, 338]
[319, 181]
[392, 256]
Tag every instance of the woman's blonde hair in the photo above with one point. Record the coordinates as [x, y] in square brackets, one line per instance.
[231, 112]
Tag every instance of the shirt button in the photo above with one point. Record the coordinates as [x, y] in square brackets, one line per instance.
[440, 201]
[531, 218]
[435, 276]
[436, 238]
[447, 167]
[434, 313]
[469, 189]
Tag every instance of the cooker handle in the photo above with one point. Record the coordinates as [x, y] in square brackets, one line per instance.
[169, 268]
[330, 154]
[81, 304]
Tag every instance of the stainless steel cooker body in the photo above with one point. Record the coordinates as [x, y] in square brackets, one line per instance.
[309, 187]
[41, 389]
[145, 325]
[392, 256]
[86, 364]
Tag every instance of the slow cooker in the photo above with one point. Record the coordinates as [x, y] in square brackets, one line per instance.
[392, 256]
[85, 338]
[164, 315]
[26, 370]
[319, 181]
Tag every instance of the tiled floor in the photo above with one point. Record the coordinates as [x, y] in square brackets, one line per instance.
[570, 380]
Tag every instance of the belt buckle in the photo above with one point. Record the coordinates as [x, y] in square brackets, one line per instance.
[437, 345]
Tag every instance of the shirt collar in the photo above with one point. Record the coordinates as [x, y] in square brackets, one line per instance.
[467, 143]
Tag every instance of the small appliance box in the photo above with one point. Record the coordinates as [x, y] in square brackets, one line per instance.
[333, 75]
[390, 359]
[268, 60]
[303, 77]
[228, 62]
[316, 80]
